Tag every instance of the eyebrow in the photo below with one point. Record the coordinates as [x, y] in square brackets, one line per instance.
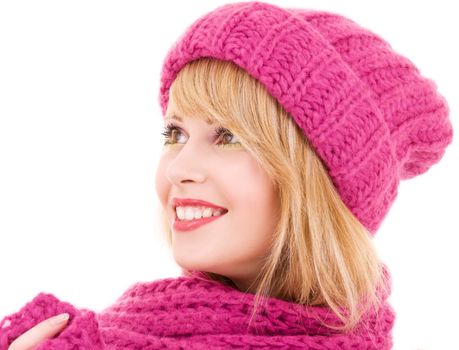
[173, 116]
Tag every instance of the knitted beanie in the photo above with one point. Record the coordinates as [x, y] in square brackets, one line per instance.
[365, 109]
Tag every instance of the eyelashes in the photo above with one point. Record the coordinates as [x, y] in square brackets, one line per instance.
[171, 129]
[167, 132]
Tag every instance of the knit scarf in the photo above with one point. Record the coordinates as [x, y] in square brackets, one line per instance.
[190, 312]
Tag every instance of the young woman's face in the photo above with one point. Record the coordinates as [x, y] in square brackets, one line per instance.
[217, 169]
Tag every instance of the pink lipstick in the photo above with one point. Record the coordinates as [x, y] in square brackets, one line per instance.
[188, 225]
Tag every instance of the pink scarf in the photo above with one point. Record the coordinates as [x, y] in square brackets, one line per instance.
[193, 313]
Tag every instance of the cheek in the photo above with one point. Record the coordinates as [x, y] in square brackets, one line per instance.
[250, 188]
[253, 200]
[251, 224]
[161, 184]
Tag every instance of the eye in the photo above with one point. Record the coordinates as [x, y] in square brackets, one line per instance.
[226, 134]
[170, 130]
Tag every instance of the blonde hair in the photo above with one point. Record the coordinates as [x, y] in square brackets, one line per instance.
[320, 255]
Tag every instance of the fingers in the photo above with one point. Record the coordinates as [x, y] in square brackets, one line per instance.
[42, 331]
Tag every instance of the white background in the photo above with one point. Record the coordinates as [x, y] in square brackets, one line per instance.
[80, 139]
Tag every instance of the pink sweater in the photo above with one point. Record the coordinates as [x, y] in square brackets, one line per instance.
[189, 312]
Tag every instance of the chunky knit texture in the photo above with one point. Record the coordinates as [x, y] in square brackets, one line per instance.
[367, 111]
[191, 312]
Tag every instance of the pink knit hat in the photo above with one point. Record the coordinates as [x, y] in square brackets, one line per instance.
[366, 110]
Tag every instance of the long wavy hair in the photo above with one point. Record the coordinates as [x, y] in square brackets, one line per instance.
[320, 254]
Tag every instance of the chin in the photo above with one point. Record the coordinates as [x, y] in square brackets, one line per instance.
[190, 264]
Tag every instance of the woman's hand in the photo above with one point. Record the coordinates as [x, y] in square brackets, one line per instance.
[42, 331]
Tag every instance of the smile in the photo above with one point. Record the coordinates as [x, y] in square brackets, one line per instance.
[188, 225]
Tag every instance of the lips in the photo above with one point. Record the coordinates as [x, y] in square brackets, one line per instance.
[189, 225]
[183, 202]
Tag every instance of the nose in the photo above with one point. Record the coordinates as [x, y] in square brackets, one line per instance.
[188, 164]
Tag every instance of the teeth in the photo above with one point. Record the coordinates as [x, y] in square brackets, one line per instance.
[194, 213]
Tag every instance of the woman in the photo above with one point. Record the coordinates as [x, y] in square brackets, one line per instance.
[287, 132]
